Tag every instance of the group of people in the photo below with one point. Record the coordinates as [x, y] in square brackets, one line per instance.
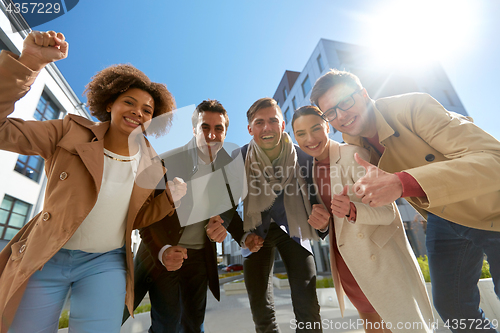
[402, 146]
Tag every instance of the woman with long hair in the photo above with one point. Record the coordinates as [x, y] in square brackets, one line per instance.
[370, 257]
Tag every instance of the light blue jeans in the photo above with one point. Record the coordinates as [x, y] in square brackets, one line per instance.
[97, 282]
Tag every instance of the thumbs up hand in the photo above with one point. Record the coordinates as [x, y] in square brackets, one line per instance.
[341, 204]
[377, 187]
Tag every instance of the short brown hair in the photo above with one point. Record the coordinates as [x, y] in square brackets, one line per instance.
[111, 82]
[209, 105]
[306, 110]
[331, 79]
[261, 104]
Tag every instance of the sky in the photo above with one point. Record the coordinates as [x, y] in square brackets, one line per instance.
[237, 51]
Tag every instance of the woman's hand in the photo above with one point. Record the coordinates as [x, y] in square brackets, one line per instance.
[319, 218]
[42, 48]
[341, 204]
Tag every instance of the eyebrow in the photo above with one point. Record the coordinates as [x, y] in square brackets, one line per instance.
[208, 125]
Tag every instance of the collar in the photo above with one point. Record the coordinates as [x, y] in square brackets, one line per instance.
[99, 128]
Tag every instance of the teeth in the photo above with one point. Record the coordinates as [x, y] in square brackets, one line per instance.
[131, 121]
[312, 147]
[350, 122]
[267, 137]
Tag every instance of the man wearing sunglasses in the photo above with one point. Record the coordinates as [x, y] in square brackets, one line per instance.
[445, 166]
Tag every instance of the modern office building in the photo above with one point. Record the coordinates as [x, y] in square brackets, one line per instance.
[22, 178]
[294, 91]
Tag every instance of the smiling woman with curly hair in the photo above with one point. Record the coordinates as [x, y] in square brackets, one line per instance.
[81, 239]
[111, 82]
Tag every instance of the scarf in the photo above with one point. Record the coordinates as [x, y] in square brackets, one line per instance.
[264, 180]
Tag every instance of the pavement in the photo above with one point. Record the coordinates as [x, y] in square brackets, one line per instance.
[232, 314]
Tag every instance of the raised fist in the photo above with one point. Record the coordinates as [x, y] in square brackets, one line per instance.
[42, 48]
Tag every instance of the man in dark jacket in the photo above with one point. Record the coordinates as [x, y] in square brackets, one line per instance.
[177, 257]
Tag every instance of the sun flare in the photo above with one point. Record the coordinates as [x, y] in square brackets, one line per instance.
[410, 34]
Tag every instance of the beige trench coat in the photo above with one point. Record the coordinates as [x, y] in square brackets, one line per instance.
[455, 162]
[377, 252]
[73, 151]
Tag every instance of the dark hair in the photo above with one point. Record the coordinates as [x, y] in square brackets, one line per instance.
[113, 81]
[331, 79]
[209, 105]
[306, 110]
[261, 104]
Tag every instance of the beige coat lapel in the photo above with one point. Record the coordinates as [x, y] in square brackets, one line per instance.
[335, 181]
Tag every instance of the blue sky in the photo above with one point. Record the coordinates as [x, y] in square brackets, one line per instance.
[237, 51]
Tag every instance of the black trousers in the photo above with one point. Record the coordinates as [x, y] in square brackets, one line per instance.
[301, 269]
[178, 298]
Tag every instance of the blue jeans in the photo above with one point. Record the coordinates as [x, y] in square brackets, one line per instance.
[97, 282]
[455, 259]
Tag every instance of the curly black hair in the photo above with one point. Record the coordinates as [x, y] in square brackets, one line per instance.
[111, 82]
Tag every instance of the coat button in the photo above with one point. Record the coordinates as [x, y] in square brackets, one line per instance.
[63, 175]
[45, 216]
[21, 250]
[373, 258]
[396, 134]
[430, 158]
[360, 235]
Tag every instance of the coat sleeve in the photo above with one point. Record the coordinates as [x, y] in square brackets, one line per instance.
[17, 135]
[159, 234]
[365, 214]
[472, 167]
[158, 206]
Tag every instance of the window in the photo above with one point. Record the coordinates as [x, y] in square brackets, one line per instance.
[320, 63]
[285, 93]
[306, 86]
[294, 104]
[30, 166]
[46, 109]
[13, 216]
[287, 113]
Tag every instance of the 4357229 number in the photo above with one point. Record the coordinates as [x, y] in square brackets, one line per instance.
[470, 324]
[34, 8]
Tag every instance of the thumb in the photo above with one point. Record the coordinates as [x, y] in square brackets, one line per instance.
[184, 252]
[178, 180]
[63, 47]
[345, 190]
[362, 162]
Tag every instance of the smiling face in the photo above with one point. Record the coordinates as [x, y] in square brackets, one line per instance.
[267, 128]
[130, 110]
[358, 120]
[210, 133]
[311, 133]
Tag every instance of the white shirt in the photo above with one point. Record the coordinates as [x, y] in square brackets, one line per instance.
[104, 227]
